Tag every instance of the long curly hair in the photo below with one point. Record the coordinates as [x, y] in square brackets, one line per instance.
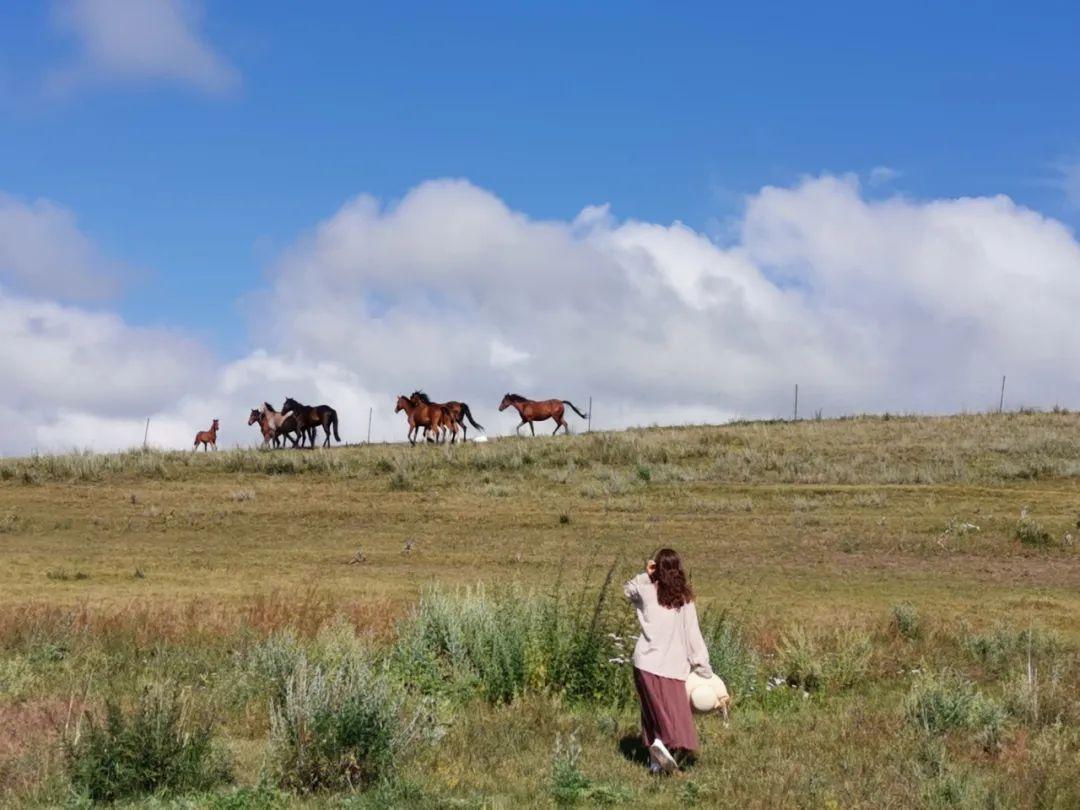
[672, 582]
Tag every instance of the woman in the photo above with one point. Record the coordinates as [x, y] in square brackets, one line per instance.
[669, 648]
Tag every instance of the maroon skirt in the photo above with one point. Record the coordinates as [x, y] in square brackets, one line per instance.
[665, 711]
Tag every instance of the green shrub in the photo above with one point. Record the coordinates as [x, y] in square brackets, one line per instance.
[155, 748]
[335, 730]
[938, 702]
[905, 620]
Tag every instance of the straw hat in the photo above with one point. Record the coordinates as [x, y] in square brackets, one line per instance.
[707, 694]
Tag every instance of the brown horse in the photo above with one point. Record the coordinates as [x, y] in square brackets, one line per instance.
[257, 417]
[458, 411]
[207, 438]
[531, 410]
[432, 418]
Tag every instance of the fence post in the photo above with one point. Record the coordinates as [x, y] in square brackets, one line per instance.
[796, 416]
[369, 424]
[146, 434]
[1001, 402]
[588, 421]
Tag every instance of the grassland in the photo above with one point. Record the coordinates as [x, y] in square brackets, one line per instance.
[856, 571]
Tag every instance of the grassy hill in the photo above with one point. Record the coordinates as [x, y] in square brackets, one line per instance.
[896, 602]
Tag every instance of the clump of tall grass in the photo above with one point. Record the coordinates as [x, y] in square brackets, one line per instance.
[1030, 532]
[336, 729]
[805, 664]
[1004, 648]
[502, 644]
[730, 655]
[569, 786]
[156, 747]
[905, 621]
[941, 701]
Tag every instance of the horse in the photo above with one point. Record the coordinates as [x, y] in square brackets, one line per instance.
[427, 416]
[207, 438]
[282, 424]
[531, 410]
[458, 411]
[309, 417]
[267, 432]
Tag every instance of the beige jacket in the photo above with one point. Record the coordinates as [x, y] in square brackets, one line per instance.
[670, 644]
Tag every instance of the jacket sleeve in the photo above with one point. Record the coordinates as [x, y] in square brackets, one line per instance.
[696, 650]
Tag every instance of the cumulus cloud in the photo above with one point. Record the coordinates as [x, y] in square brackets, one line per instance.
[135, 41]
[867, 303]
[43, 252]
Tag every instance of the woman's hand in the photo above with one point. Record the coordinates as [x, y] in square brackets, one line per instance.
[650, 567]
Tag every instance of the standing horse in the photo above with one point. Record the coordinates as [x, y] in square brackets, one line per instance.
[531, 410]
[207, 438]
[309, 417]
[426, 416]
[458, 411]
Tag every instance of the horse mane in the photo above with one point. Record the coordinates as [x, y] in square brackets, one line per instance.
[269, 407]
[516, 398]
[420, 395]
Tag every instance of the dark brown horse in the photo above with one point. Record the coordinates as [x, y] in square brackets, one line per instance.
[433, 418]
[207, 438]
[458, 411]
[309, 417]
[531, 410]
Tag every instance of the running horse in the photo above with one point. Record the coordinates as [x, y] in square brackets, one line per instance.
[308, 419]
[207, 438]
[427, 416]
[459, 412]
[531, 410]
[256, 417]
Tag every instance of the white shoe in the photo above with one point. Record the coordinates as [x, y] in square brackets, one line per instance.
[662, 757]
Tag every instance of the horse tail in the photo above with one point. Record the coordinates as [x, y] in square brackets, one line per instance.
[468, 415]
[333, 423]
[572, 405]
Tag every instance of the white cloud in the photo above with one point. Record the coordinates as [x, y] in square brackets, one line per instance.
[135, 41]
[882, 175]
[868, 304]
[43, 252]
[1069, 181]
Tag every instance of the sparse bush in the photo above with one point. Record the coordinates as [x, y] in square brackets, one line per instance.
[801, 660]
[1030, 532]
[508, 642]
[644, 473]
[730, 656]
[1003, 648]
[905, 620]
[569, 785]
[335, 730]
[157, 747]
[849, 663]
[16, 677]
[939, 702]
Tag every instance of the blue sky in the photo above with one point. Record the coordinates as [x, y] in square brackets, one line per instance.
[197, 187]
[664, 114]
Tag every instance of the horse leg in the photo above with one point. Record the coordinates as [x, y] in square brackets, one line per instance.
[559, 423]
[517, 430]
[532, 429]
